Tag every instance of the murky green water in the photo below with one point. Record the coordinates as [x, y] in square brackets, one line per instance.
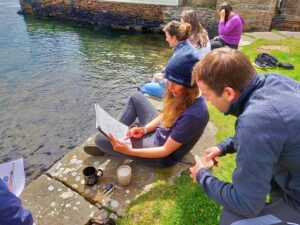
[52, 73]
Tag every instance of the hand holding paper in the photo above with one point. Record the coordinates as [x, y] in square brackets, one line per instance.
[119, 146]
[106, 124]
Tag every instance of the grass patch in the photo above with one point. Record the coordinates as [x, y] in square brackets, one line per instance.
[209, 5]
[185, 202]
[181, 203]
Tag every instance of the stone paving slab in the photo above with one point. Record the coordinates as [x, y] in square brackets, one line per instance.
[246, 40]
[290, 34]
[69, 171]
[51, 202]
[265, 35]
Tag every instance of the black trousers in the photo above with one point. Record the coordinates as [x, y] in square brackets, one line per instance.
[218, 42]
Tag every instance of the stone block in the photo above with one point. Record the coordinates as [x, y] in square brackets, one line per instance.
[69, 171]
[51, 202]
[267, 35]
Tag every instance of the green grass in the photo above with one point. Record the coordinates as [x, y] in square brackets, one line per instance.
[210, 5]
[184, 203]
[181, 203]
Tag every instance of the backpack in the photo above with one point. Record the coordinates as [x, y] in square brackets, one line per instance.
[265, 60]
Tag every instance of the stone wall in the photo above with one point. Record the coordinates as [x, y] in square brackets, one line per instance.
[105, 14]
[257, 15]
[288, 16]
[206, 17]
[113, 14]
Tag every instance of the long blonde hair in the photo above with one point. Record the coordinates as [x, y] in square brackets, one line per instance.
[174, 107]
[198, 35]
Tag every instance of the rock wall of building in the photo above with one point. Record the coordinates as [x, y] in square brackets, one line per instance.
[258, 16]
[288, 16]
[206, 17]
[112, 14]
[105, 14]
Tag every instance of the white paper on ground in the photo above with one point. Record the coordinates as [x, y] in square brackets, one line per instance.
[12, 173]
[108, 124]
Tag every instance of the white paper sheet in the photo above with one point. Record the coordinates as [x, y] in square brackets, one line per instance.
[108, 124]
[12, 173]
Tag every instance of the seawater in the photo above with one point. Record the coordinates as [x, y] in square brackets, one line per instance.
[51, 75]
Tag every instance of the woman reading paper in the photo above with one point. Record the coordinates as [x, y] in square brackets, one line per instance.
[161, 140]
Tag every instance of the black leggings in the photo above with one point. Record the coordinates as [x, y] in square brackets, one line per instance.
[219, 43]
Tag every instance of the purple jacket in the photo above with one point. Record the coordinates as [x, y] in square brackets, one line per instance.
[11, 209]
[231, 31]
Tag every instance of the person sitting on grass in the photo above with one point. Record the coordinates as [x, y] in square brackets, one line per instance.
[176, 35]
[266, 140]
[161, 140]
[230, 28]
[198, 35]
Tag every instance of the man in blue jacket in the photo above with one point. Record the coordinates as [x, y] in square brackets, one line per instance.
[266, 140]
[11, 209]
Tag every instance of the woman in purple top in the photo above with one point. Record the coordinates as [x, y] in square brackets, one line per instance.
[230, 28]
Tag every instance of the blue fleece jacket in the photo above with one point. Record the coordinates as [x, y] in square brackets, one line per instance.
[11, 209]
[267, 144]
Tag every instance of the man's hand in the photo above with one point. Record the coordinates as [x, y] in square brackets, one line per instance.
[119, 146]
[194, 170]
[212, 153]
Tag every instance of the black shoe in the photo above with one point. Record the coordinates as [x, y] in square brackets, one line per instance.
[259, 65]
[93, 150]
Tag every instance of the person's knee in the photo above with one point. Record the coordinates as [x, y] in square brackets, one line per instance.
[101, 141]
[136, 95]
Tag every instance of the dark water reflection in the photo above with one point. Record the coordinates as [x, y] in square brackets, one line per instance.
[52, 73]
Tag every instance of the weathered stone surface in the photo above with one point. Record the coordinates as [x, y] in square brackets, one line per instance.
[257, 16]
[146, 17]
[246, 40]
[69, 171]
[266, 35]
[51, 202]
[206, 17]
[290, 34]
[288, 16]
[157, 103]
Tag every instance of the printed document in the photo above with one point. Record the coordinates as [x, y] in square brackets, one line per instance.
[106, 124]
[12, 173]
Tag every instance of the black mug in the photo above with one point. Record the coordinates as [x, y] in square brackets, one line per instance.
[91, 175]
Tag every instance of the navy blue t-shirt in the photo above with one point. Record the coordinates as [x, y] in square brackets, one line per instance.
[188, 125]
